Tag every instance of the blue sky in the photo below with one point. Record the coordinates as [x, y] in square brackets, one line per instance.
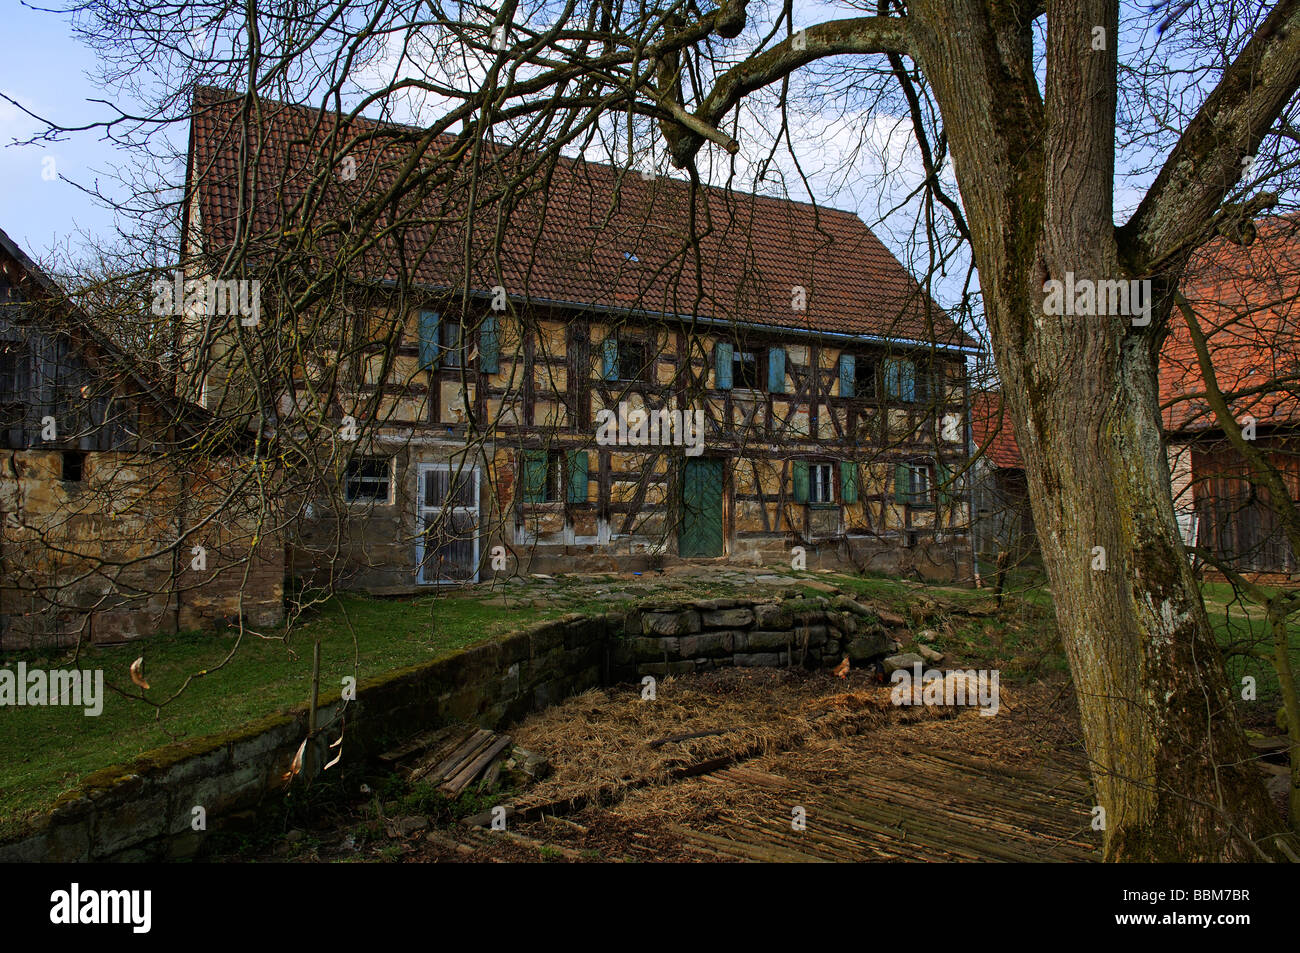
[44, 68]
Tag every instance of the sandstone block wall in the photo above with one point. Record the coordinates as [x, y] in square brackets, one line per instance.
[95, 558]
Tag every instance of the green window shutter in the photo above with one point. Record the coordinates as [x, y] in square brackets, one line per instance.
[848, 481]
[609, 359]
[489, 346]
[800, 469]
[577, 476]
[902, 483]
[534, 476]
[723, 355]
[891, 378]
[429, 321]
[776, 370]
[943, 491]
[907, 371]
[847, 370]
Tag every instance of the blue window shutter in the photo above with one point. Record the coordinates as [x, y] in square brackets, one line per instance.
[723, 355]
[489, 346]
[908, 371]
[429, 321]
[848, 481]
[577, 476]
[847, 369]
[800, 481]
[609, 359]
[776, 370]
[534, 476]
[892, 378]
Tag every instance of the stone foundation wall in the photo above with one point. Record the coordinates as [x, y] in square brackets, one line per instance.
[698, 636]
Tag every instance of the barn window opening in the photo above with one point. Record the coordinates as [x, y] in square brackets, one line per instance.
[632, 359]
[864, 377]
[453, 344]
[74, 466]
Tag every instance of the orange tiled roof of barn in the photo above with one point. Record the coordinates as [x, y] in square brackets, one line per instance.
[596, 236]
[1247, 301]
[992, 429]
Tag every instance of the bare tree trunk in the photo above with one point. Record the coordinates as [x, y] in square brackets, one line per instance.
[1170, 761]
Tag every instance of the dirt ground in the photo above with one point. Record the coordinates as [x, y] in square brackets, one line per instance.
[779, 765]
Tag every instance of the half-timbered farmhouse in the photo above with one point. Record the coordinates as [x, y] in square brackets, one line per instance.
[622, 370]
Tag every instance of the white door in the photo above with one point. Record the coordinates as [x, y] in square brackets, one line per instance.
[447, 516]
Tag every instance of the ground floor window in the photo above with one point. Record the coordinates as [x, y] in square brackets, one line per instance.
[541, 476]
[821, 483]
[368, 480]
[913, 484]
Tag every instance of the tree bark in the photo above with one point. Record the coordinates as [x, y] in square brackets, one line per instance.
[1170, 763]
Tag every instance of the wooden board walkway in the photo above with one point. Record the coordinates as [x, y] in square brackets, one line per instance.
[926, 805]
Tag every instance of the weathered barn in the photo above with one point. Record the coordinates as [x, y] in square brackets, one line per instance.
[1003, 520]
[95, 492]
[480, 360]
[1245, 300]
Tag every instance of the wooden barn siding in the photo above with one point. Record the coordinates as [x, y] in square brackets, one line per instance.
[1235, 518]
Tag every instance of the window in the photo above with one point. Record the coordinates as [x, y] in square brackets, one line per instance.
[625, 358]
[913, 483]
[821, 486]
[927, 383]
[548, 474]
[368, 480]
[813, 482]
[632, 359]
[453, 345]
[74, 466]
[746, 370]
[14, 382]
[864, 377]
[541, 476]
[13, 368]
[900, 379]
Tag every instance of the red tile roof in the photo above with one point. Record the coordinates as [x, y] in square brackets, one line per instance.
[992, 429]
[1247, 301]
[593, 235]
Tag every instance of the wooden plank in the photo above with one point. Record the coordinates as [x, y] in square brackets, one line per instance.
[436, 772]
[472, 769]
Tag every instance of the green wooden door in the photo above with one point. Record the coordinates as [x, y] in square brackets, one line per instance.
[701, 530]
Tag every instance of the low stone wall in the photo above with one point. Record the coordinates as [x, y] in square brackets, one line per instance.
[145, 810]
[697, 636]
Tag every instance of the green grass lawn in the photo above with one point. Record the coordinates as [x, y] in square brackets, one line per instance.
[48, 749]
[1241, 626]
